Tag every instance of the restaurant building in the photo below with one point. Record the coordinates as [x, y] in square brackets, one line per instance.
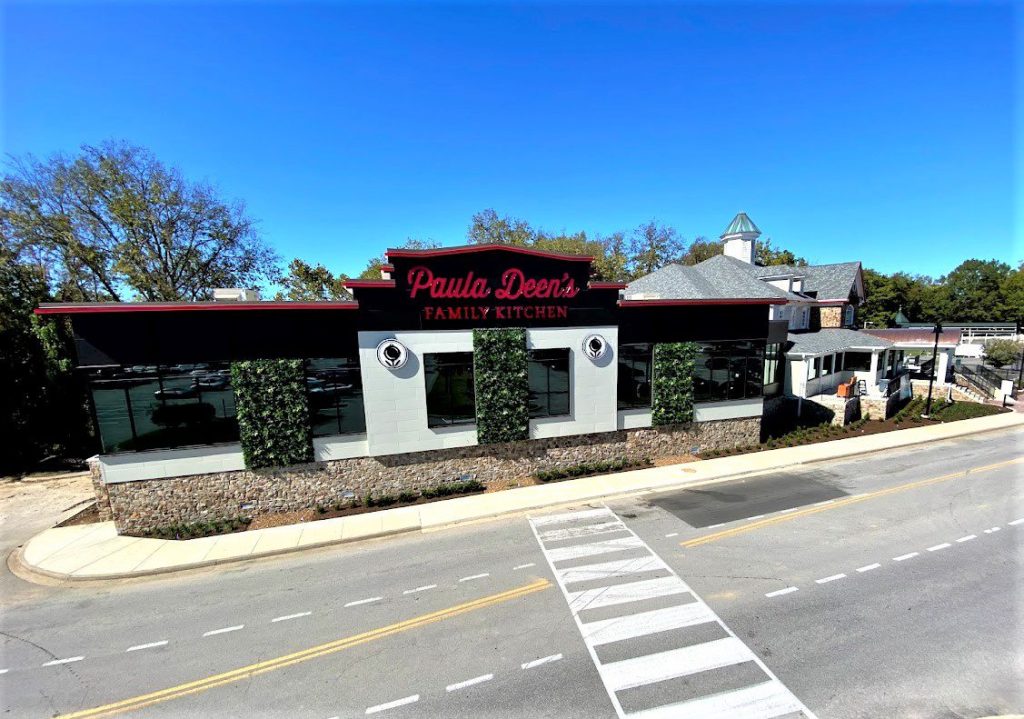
[487, 362]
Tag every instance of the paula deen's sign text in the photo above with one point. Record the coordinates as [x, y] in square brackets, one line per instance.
[483, 302]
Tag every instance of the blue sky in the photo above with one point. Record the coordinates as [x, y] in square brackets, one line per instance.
[879, 132]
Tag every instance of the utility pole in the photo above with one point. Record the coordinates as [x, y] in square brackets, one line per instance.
[935, 369]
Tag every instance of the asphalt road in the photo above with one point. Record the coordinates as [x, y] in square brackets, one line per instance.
[889, 586]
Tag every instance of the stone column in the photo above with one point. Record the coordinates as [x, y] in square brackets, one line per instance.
[99, 488]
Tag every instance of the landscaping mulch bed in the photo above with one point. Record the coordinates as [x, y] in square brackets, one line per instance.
[907, 418]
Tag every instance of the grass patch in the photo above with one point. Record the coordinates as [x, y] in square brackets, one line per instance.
[953, 411]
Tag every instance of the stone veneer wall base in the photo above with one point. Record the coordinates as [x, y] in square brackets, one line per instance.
[139, 507]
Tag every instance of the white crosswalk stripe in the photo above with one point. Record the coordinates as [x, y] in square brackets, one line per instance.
[701, 650]
[645, 623]
[593, 548]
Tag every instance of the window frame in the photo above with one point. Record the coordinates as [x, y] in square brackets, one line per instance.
[357, 391]
[224, 426]
[629, 356]
[453, 419]
[535, 395]
[732, 369]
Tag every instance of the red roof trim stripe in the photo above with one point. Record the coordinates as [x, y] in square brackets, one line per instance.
[679, 303]
[364, 284]
[443, 251]
[609, 285]
[88, 308]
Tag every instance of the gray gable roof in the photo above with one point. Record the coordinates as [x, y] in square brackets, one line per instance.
[830, 282]
[709, 280]
[829, 340]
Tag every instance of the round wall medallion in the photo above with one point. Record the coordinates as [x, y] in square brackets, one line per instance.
[392, 354]
[595, 346]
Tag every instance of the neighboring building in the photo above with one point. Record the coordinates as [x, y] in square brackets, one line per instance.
[817, 305]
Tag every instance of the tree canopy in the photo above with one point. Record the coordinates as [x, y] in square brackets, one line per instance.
[115, 223]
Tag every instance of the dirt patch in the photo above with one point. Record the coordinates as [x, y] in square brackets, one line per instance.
[676, 459]
[265, 521]
[89, 515]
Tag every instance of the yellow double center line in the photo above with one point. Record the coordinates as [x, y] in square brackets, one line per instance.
[269, 665]
[742, 529]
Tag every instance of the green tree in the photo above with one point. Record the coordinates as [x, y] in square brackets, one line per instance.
[115, 223]
[765, 254]
[652, 246]
[375, 264]
[306, 283]
[1002, 352]
[42, 410]
[1012, 291]
[488, 228]
[974, 291]
[701, 249]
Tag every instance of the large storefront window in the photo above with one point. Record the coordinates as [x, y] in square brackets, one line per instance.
[335, 390]
[150, 407]
[549, 383]
[728, 371]
[635, 370]
[774, 369]
[449, 384]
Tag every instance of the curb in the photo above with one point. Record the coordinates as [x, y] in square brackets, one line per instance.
[36, 574]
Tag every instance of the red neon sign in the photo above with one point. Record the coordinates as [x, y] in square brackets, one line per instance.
[515, 285]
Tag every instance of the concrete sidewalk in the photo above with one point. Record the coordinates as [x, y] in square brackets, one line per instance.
[95, 551]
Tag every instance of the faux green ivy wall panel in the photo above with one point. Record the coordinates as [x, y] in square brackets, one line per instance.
[501, 385]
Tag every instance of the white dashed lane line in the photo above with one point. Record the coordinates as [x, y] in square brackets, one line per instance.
[358, 602]
[469, 682]
[542, 660]
[151, 645]
[286, 617]
[225, 630]
[69, 660]
[826, 580]
[420, 589]
[900, 558]
[525, 566]
[391, 705]
[474, 576]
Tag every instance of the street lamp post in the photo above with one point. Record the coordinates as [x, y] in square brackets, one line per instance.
[1020, 368]
[935, 369]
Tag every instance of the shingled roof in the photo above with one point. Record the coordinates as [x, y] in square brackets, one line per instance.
[830, 282]
[720, 277]
[833, 339]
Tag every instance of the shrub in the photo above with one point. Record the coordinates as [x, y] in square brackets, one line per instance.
[1001, 352]
[406, 496]
[672, 384]
[191, 530]
[501, 385]
[273, 412]
[587, 468]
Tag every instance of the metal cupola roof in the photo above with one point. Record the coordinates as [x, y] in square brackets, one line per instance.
[740, 224]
